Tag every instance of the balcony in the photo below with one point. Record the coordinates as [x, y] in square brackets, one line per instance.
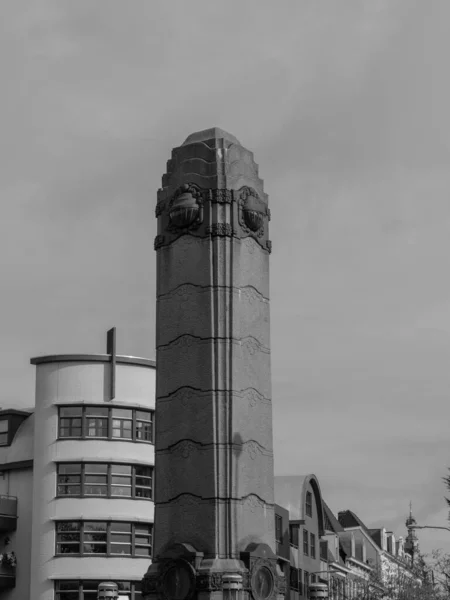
[8, 513]
[7, 577]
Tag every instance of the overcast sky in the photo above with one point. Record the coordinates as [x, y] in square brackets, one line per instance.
[346, 107]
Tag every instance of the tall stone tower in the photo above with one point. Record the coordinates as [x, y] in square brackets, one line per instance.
[214, 504]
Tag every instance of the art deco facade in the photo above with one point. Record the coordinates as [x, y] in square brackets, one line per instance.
[77, 484]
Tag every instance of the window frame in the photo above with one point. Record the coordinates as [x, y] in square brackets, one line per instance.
[306, 583]
[83, 532]
[294, 527]
[312, 545]
[308, 504]
[86, 417]
[293, 578]
[110, 484]
[305, 542]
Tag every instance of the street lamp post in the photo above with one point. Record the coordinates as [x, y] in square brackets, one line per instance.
[429, 527]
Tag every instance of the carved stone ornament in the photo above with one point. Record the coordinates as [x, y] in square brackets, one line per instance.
[221, 229]
[252, 211]
[177, 580]
[186, 208]
[262, 580]
[212, 582]
[222, 196]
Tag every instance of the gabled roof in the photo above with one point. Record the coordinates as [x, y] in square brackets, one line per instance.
[330, 521]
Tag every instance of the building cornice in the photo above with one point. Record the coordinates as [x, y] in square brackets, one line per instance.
[92, 358]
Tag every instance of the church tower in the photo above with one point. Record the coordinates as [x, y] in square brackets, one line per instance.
[412, 541]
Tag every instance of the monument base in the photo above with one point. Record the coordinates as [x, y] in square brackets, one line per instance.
[181, 573]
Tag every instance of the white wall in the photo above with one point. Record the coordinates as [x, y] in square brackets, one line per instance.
[74, 383]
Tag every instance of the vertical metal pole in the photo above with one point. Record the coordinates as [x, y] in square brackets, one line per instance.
[111, 350]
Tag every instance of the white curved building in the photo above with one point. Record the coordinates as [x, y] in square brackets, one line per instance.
[92, 475]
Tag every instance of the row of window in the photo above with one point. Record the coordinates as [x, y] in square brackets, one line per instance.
[104, 479]
[109, 538]
[309, 540]
[106, 422]
[87, 590]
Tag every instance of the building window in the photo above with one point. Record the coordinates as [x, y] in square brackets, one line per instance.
[278, 529]
[306, 583]
[312, 539]
[293, 578]
[294, 535]
[144, 425]
[309, 504]
[106, 423]
[107, 538]
[4, 423]
[305, 543]
[104, 479]
[300, 582]
[87, 590]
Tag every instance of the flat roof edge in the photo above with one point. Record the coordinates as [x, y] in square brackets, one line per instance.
[103, 358]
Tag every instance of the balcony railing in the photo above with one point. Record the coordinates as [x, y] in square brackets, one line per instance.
[8, 513]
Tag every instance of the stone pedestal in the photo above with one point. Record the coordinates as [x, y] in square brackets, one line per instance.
[214, 503]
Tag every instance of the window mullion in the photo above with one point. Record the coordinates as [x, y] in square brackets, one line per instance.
[81, 537]
[109, 424]
[133, 425]
[108, 538]
[133, 539]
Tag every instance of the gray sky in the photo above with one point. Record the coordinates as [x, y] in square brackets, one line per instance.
[345, 105]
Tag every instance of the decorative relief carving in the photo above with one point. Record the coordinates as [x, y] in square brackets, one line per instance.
[184, 449]
[252, 295]
[186, 396]
[253, 502]
[221, 229]
[253, 346]
[210, 582]
[159, 241]
[253, 449]
[222, 196]
[269, 246]
[252, 211]
[186, 208]
[186, 500]
[253, 398]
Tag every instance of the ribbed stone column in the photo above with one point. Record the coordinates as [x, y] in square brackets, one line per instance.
[214, 502]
